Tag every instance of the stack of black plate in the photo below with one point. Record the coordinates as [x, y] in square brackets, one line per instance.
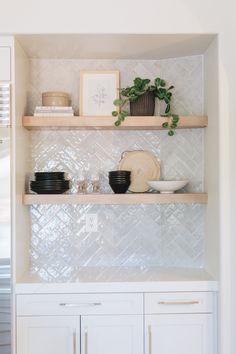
[50, 183]
[119, 181]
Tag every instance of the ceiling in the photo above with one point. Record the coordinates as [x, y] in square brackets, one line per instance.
[114, 46]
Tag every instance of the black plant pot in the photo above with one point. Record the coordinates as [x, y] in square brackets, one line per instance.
[144, 106]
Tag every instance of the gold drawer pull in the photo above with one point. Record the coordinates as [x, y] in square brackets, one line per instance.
[89, 304]
[74, 343]
[193, 302]
[86, 340]
[150, 339]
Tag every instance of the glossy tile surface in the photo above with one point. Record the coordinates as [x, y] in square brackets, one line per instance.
[128, 236]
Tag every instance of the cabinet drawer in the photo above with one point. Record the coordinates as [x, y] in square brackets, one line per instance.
[79, 304]
[182, 302]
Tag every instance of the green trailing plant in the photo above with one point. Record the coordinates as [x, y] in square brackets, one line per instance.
[171, 124]
[140, 87]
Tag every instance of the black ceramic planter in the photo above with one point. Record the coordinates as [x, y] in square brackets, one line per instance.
[144, 106]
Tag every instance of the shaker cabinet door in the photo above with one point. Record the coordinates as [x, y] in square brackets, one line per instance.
[112, 334]
[5, 63]
[178, 334]
[48, 335]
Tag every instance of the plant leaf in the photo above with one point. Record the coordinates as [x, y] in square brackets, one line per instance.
[123, 115]
[133, 98]
[171, 132]
[157, 81]
[118, 102]
[117, 123]
[167, 108]
[162, 83]
[175, 117]
[159, 95]
[115, 113]
[165, 125]
[137, 81]
[175, 121]
[173, 126]
[152, 88]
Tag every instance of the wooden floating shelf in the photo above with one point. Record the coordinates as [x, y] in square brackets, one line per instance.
[139, 198]
[107, 123]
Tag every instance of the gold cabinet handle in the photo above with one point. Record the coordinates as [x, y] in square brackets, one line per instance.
[74, 343]
[149, 339]
[86, 341]
[191, 302]
[88, 304]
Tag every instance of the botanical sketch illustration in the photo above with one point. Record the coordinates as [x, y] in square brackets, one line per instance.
[98, 91]
[99, 98]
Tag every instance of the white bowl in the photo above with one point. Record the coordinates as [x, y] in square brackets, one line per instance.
[167, 186]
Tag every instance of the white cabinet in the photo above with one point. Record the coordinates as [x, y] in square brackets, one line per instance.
[112, 334]
[179, 323]
[61, 334]
[5, 63]
[50, 323]
[48, 335]
[179, 334]
[117, 323]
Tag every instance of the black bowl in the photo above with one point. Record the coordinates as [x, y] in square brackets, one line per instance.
[119, 181]
[116, 176]
[41, 176]
[119, 188]
[119, 173]
[119, 176]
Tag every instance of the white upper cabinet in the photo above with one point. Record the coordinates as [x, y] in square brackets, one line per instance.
[5, 63]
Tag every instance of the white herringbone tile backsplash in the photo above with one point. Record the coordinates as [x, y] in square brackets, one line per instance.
[127, 236]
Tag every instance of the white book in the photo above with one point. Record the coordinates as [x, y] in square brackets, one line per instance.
[55, 111]
[53, 108]
[54, 114]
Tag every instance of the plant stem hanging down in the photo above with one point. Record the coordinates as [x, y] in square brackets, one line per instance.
[171, 124]
[140, 87]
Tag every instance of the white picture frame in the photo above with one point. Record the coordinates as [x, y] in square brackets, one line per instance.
[98, 90]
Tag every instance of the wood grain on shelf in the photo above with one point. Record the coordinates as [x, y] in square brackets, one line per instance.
[139, 198]
[107, 123]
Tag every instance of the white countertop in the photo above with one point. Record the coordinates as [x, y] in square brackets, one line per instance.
[125, 279]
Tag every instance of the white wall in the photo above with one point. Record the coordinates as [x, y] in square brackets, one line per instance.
[211, 88]
[21, 162]
[155, 16]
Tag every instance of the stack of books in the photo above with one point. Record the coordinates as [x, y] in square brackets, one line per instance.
[53, 111]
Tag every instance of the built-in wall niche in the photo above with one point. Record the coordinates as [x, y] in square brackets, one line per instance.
[144, 236]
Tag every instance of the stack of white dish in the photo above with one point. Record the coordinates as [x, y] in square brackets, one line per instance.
[53, 111]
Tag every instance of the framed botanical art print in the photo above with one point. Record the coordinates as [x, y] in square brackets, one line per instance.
[98, 90]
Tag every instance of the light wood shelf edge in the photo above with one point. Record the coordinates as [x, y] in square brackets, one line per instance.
[139, 198]
[107, 123]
